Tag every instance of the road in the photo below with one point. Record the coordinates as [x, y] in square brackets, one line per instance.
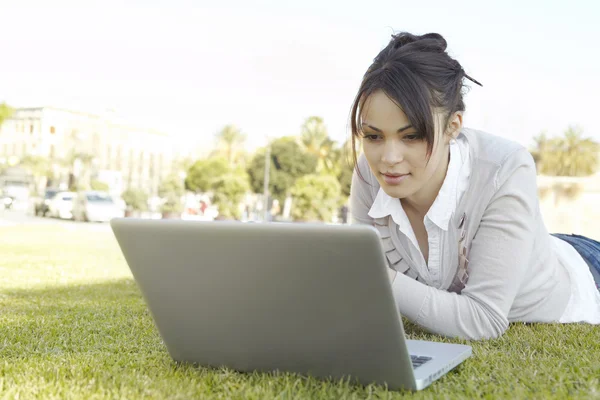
[18, 217]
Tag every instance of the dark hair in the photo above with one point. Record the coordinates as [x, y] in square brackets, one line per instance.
[418, 75]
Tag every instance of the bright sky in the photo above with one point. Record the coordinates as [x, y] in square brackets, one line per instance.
[190, 67]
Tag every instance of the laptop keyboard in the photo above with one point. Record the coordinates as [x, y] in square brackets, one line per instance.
[417, 361]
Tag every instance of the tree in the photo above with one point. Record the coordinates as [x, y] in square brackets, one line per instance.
[229, 192]
[288, 163]
[230, 141]
[38, 166]
[345, 179]
[81, 163]
[316, 197]
[570, 155]
[5, 112]
[314, 140]
[172, 184]
[136, 199]
[171, 189]
[202, 173]
[343, 167]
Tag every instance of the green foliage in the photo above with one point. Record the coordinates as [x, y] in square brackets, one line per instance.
[136, 199]
[570, 155]
[99, 185]
[288, 163]
[315, 140]
[203, 172]
[345, 178]
[172, 204]
[5, 112]
[171, 189]
[78, 186]
[38, 166]
[316, 197]
[229, 192]
[343, 169]
[230, 141]
[171, 185]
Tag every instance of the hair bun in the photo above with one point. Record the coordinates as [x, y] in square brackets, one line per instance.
[428, 42]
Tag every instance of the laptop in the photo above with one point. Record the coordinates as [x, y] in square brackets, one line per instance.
[312, 299]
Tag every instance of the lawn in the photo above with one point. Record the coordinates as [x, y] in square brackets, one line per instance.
[74, 325]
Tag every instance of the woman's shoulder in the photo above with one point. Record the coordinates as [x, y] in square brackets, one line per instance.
[497, 155]
[491, 147]
[496, 150]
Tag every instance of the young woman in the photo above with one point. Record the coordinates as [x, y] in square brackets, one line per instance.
[456, 208]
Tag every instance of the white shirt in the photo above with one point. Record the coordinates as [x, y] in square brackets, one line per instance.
[437, 218]
[584, 304]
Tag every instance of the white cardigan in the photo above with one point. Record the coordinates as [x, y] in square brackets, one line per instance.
[514, 271]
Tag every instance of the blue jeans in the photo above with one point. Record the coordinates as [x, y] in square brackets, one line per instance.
[589, 250]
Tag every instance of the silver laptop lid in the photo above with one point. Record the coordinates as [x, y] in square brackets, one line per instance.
[311, 299]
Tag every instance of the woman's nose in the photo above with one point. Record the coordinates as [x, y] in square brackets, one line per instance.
[393, 152]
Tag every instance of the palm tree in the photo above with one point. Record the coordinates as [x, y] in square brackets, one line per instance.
[231, 141]
[570, 155]
[540, 147]
[81, 170]
[315, 140]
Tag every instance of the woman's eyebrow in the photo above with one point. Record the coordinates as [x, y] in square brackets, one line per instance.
[380, 131]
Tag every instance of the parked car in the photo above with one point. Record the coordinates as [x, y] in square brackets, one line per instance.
[41, 206]
[61, 205]
[96, 206]
[15, 191]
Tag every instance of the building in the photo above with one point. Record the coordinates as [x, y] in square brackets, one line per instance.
[102, 146]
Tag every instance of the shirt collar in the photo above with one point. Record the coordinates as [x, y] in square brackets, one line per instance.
[442, 208]
[444, 205]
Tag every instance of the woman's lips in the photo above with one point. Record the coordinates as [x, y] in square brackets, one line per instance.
[394, 179]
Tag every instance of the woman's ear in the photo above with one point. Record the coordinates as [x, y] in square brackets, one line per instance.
[455, 124]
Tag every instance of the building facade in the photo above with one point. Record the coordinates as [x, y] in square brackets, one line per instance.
[107, 149]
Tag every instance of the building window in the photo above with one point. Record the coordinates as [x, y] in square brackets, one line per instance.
[52, 130]
[31, 128]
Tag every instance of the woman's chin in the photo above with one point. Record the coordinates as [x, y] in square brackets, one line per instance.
[395, 191]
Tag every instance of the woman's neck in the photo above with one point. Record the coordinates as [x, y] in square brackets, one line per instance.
[421, 201]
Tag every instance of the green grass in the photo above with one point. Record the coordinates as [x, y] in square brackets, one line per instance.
[73, 325]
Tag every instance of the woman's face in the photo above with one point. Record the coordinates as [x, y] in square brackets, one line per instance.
[396, 156]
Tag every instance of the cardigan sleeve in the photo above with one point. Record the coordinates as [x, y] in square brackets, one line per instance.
[498, 261]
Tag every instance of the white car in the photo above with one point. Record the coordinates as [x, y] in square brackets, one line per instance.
[61, 205]
[96, 206]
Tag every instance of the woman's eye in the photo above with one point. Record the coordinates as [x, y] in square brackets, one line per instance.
[372, 137]
[411, 137]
